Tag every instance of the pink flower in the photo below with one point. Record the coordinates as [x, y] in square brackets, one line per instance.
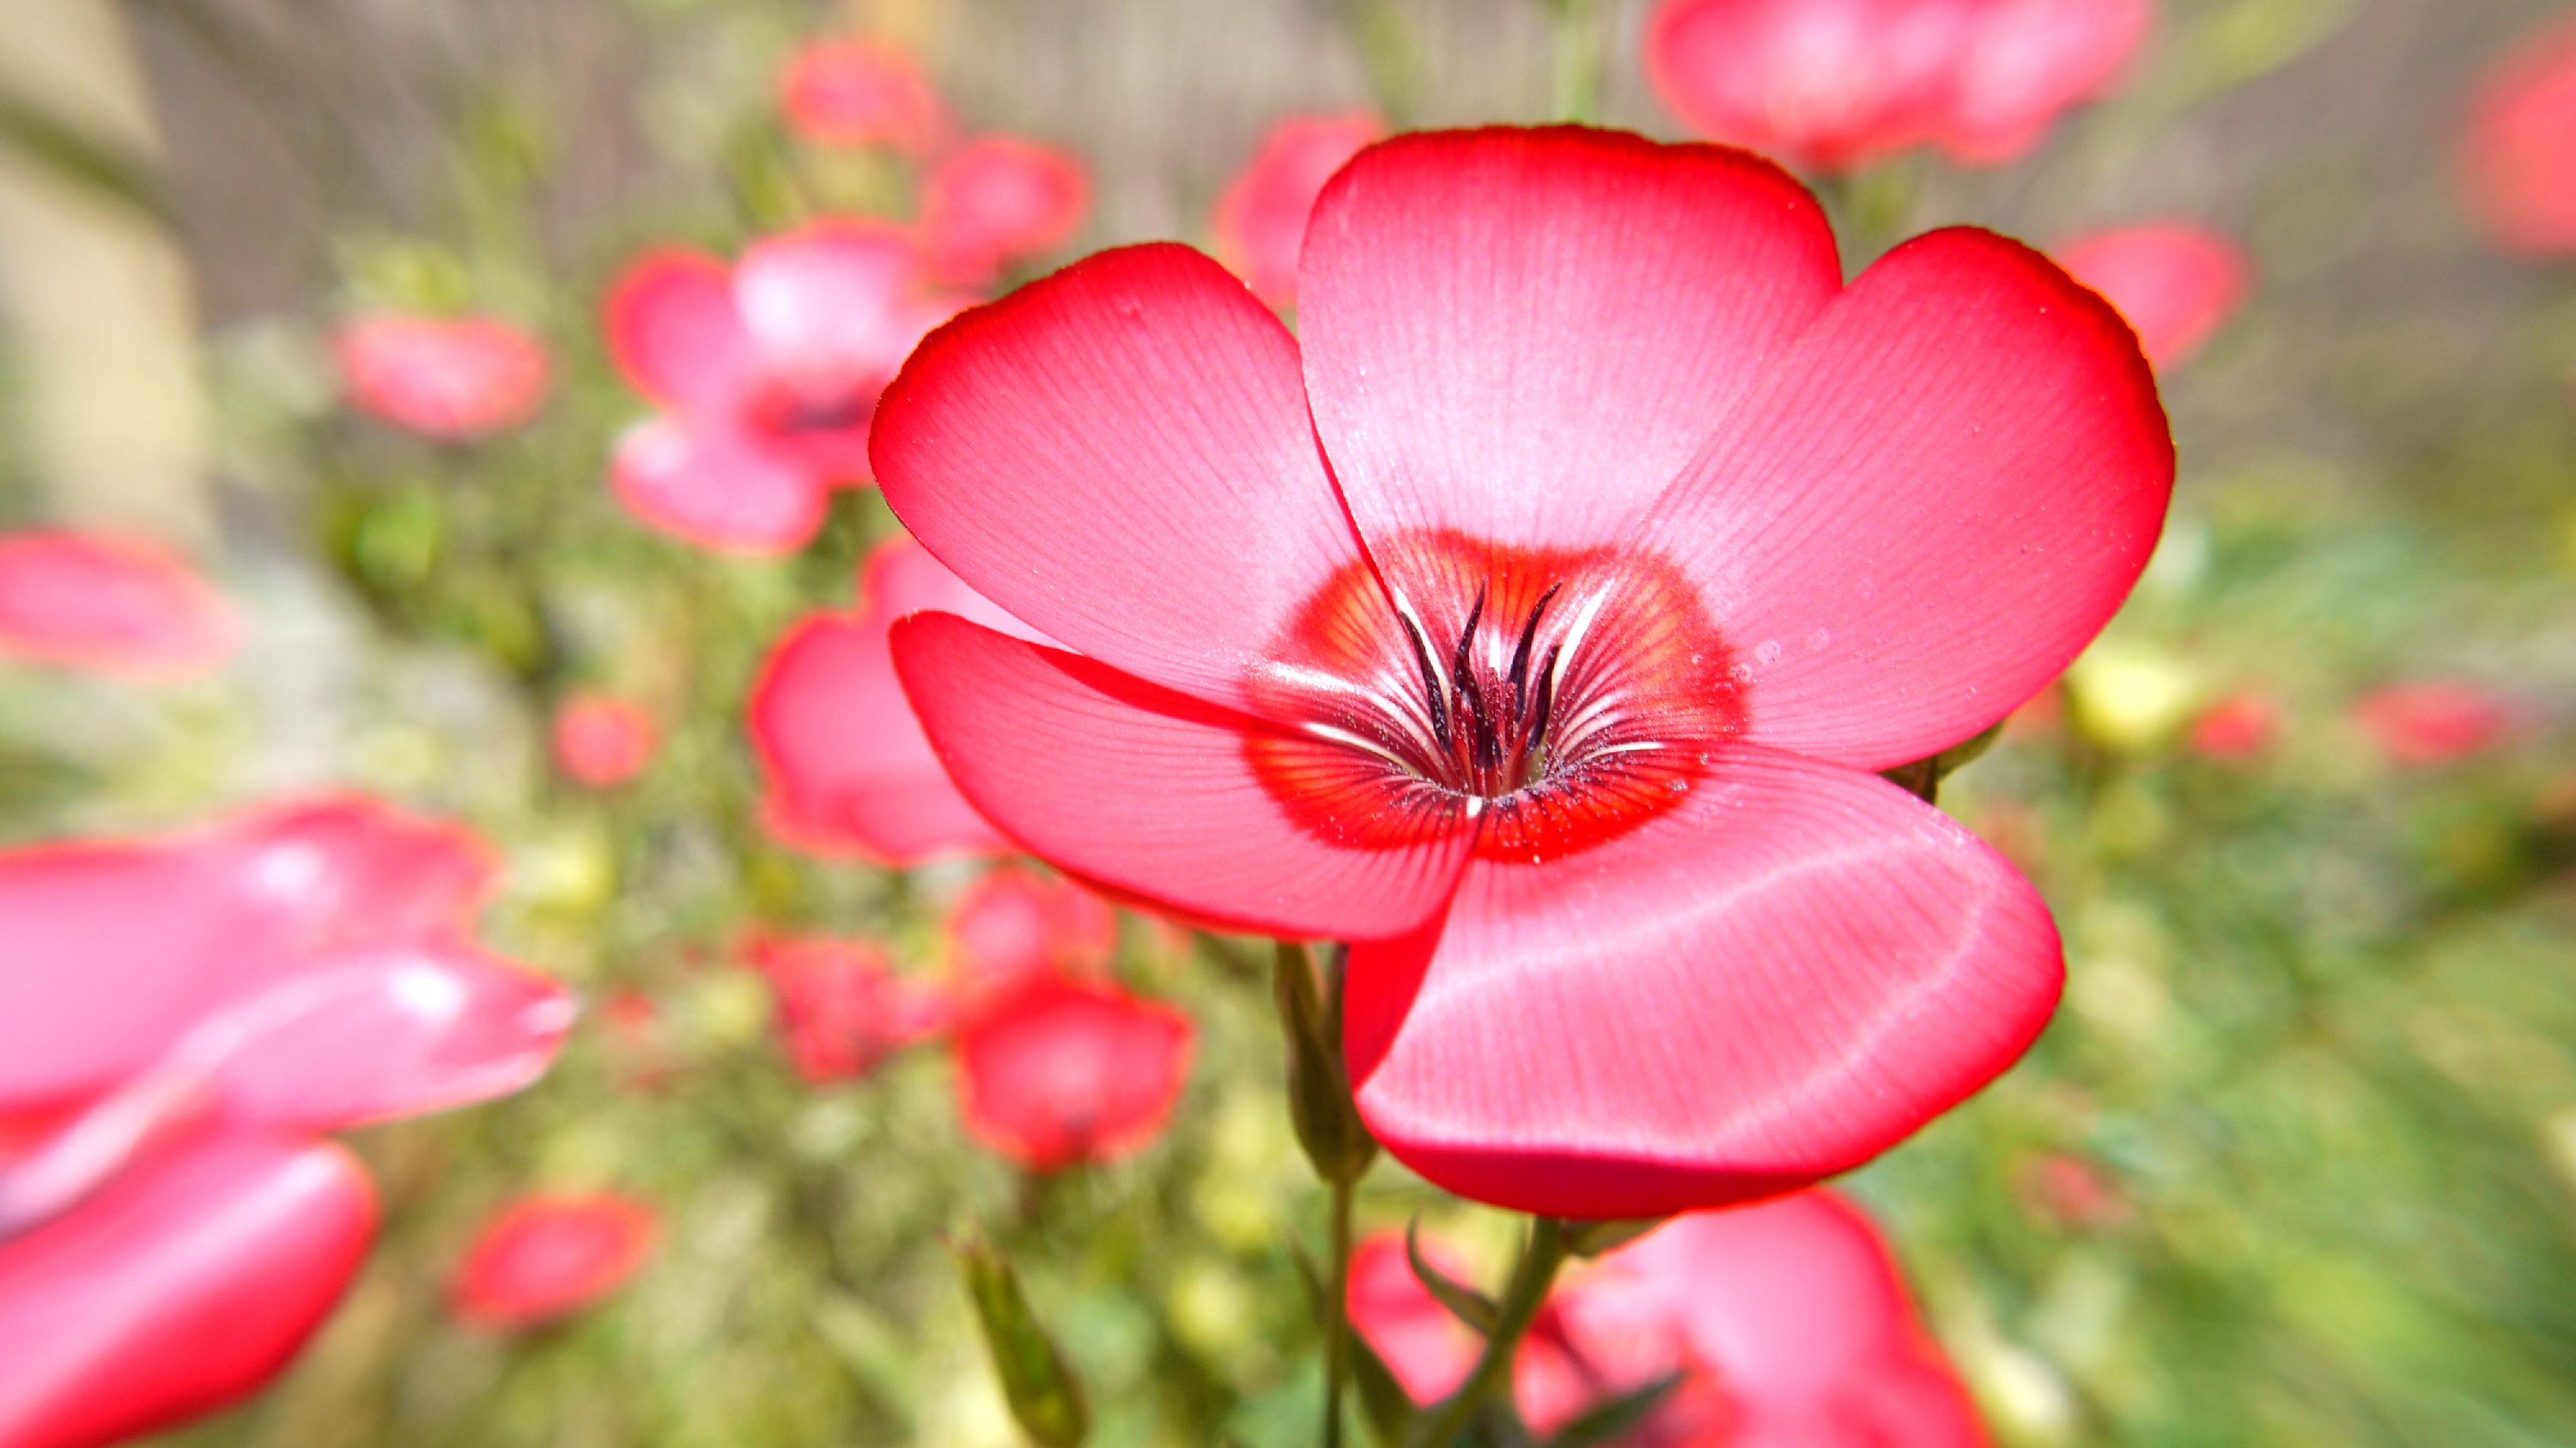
[1834, 85]
[1060, 1072]
[2518, 160]
[601, 740]
[451, 378]
[2236, 727]
[545, 1257]
[112, 605]
[841, 1007]
[1580, 752]
[861, 93]
[767, 376]
[995, 201]
[1260, 221]
[2175, 281]
[186, 1017]
[1012, 924]
[1786, 1321]
[2434, 721]
[848, 770]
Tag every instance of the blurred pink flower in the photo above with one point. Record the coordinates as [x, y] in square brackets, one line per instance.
[847, 768]
[996, 201]
[1012, 923]
[112, 605]
[2175, 281]
[841, 1006]
[1834, 85]
[1260, 221]
[2236, 727]
[2435, 721]
[188, 1016]
[767, 377]
[1786, 1321]
[2518, 160]
[601, 740]
[451, 378]
[861, 93]
[1059, 1072]
[1547, 574]
[545, 1257]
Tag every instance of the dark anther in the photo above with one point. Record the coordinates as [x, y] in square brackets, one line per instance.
[1430, 680]
[1466, 641]
[1487, 750]
[1520, 656]
[1546, 699]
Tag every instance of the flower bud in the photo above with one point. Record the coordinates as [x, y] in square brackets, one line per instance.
[1043, 1393]
[1319, 1091]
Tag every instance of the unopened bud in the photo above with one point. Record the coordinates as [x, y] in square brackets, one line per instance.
[1044, 1395]
[1319, 1089]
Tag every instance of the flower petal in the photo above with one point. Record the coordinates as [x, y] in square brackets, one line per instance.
[2026, 62]
[847, 767]
[116, 605]
[181, 1288]
[128, 943]
[1521, 336]
[833, 306]
[1120, 455]
[2175, 281]
[674, 331]
[1828, 85]
[861, 93]
[1151, 794]
[1063, 1071]
[996, 200]
[543, 1257]
[1773, 981]
[1260, 222]
[456, 378]
[718, 486]
[1935, 503]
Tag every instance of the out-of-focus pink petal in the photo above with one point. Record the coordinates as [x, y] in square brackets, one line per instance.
[2236, 727]
[832, 307]
[1120, 454]
[1155, 795]
[675, 333]
[1260, 222]
[1796, 1308]
[129, 943]
[995, 201]
[181, 1288]
[2522, 130]
[381, 1033]
[1832, 85]
[841, 1007]
[115, 605]
[1838, 84]
[545, 1257]
[453, 378]
[1937, 499]
[601, 740]
[2026, 62]
[848, 770]
[718, 486]
[1063, 1071]
[861, 93]
[1522, 336]
[2433, 721]
[1429, 1351]
[1011, 924]
[2174, 281]
[1783, 975]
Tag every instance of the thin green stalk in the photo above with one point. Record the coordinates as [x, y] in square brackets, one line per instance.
[1531, 1278]
[1578, 60]
[1337, 1320]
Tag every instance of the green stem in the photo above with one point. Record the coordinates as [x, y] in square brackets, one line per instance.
[1337, 1322]
[1578, 60]
[1531, 1279]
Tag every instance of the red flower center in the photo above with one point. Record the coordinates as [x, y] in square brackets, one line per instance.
[1558, 697]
